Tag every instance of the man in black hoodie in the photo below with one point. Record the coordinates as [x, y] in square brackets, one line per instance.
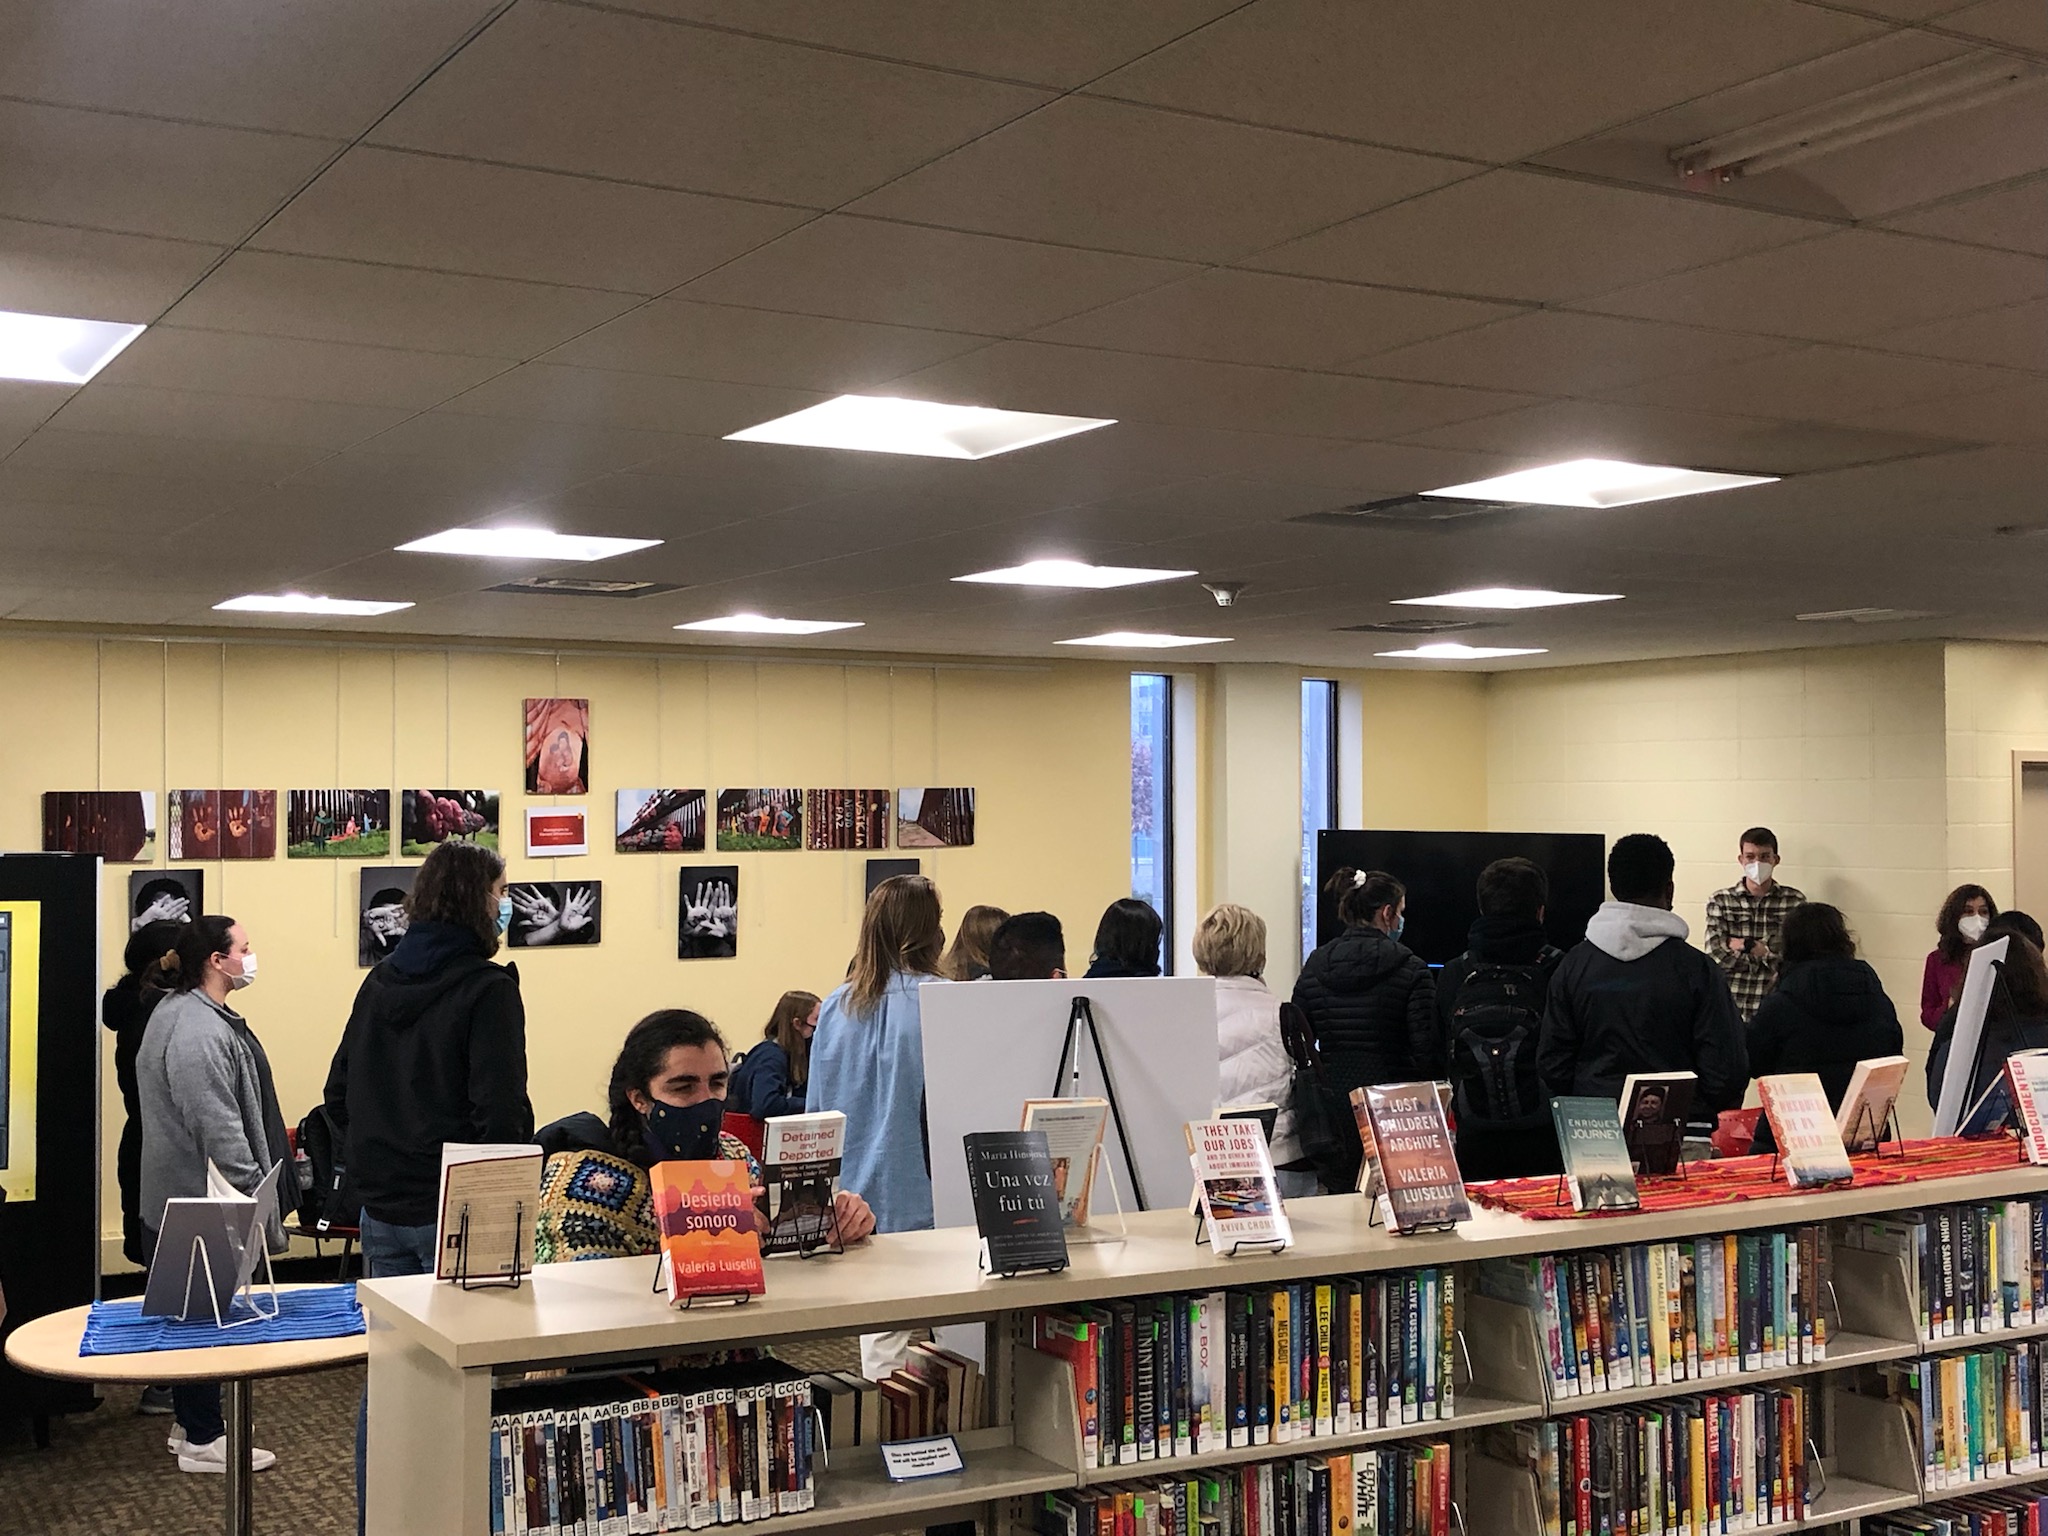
[1630, 999]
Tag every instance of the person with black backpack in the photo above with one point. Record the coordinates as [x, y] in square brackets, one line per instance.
[1490, 1000]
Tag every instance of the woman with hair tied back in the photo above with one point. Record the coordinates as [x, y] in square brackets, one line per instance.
[1370, 1001]
[967, 960]
[770, 1078]
[1960, 928]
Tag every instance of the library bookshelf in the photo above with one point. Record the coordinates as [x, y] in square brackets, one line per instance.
[436, 1355]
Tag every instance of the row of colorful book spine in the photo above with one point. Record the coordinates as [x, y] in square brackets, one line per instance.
[1661, 1314]
[1163, 1376]
[671, 1451]
[2012, 1514]
[1705, 1466]
[1398, 1490]
[1972, 1269]
[1978, 1412]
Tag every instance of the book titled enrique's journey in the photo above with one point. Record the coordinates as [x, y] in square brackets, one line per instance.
[705, 1213]
[1234, 1183]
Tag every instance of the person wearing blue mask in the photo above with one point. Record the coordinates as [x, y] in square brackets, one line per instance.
[1370, 1001]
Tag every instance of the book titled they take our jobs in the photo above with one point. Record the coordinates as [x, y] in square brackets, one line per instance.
[1234, 1184]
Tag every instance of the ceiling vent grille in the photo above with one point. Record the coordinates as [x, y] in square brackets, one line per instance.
[1866, 616]
[1418, 627]
[1408, 512]
[583, 586]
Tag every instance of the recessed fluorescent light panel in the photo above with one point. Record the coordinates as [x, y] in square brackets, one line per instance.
[299, 602]
[1598, 483]
[1073, 573]
[50, 349]
[755, 624]
[523, 544]
[1450, 650]
[1506, 597]
[1141, 640]
[884, 424]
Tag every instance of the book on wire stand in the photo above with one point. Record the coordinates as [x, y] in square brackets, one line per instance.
[1016, 1203]
[1240, 1203]
[1073, 1136]
[1424, 1189]
[1866, 1110]
[800, 1158]
[710, 1249]
[1808, 1144]
[2027, 1072]
[1597, 1170]
[489, 1196]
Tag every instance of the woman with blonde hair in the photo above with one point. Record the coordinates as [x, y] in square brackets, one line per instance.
[770, 1078]
[967, 960]
[1230, 945]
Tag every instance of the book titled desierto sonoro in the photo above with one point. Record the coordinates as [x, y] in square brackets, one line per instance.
[705, 1212]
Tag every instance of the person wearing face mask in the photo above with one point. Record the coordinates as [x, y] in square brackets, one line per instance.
[1964, 917]
[204, 1085]
[666, 1102]
[1369, 999]
[1746, 922]
[770, 1078]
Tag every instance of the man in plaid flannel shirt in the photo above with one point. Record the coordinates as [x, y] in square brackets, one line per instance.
[1744, 922]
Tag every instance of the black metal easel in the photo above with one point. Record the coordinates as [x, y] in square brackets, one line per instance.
[464, 1280]
[1079, 1015]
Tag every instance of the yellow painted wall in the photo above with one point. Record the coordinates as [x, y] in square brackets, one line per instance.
[1424, 758]
[1047, 747]
[1997, 705]
[1843, 753]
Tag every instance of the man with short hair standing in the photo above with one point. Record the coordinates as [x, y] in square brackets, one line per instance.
[1745, 922]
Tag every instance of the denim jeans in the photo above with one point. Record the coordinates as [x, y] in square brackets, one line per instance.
[387, 1250]
[197, 1404]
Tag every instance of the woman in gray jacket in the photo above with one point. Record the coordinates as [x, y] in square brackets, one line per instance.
[207, 1097]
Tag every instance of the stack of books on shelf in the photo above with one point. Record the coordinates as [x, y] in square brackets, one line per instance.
[1400, 1490]
[1729, 1461]
[2010, 1514]
[1976, 1413]
[1972, 1268]
[664, 1451]
[1657, 1314]
[1162, 1376]
[934, 1392]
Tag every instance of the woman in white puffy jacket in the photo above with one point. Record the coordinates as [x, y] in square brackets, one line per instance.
[1230, 945]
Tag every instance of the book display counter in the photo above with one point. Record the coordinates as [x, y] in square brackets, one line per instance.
[1791, 1364]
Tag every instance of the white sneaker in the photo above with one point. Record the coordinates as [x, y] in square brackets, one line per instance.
[176, 1443]
[214, 1458]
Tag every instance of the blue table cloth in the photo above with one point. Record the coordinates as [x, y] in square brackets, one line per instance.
[315, 1312]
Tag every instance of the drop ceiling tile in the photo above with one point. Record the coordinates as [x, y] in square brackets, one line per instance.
[603, 397]
[23, 408]
[1061, 43]
[327, 69]
[164, 458]
[1839, 287]
[2016, 415]
[230, 362]
[1032, 376]
[1542, 239]
[2013, 217]
[2011, 336]
[1116, 177]
[103, 497]
[906, 274]
[458, 439]
[691, 108]
[461, 216]
[229, 418]
[1575, 429]
[1412, 72]
[2020, 23]
[1843, 384]
[1559, 352]
[319, 300]
[46, 269]
[1254, 317]
[145, 176]
[758, 346]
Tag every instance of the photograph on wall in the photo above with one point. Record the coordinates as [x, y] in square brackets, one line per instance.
[934, 818]
[380, 910]
[708, 912]
[223, 824]
[877, 870]
[756, 820]
[660, 821]
[117, 824]
[550, 913]
[431, 817]
[556, 831]
[558, 746]
[846, 818]
[165, 896]
[337, 824]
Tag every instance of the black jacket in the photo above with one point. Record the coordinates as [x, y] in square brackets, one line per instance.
[1668, 1010]
[2003, 1034]
[1372, 1008]
[434, 1051]
[1495, 941]
[1824, 1016]
[125, 1010]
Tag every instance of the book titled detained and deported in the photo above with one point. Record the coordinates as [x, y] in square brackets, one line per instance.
[2028, 1073]
[1016, 1206]
[799, 1171]
[1073, 1134]
[1808, 1143]
[1597, 1169]
[1867, 1106]
[705, 1212]
[1234, 1182]
[1416, 1159]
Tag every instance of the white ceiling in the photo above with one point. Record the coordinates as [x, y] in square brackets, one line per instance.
[409, 264]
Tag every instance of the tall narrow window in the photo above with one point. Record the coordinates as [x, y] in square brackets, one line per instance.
[1318, 789]
[1152, 798]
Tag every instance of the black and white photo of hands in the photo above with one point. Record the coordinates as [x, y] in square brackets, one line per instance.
[708, 912]
[165, 908]
[539, 919]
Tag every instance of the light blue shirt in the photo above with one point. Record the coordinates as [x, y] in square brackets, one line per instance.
[870, 1067]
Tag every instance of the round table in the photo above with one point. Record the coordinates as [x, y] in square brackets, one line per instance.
[48, 1346]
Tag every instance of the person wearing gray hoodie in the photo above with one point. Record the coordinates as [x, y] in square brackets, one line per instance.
[1634, 996]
